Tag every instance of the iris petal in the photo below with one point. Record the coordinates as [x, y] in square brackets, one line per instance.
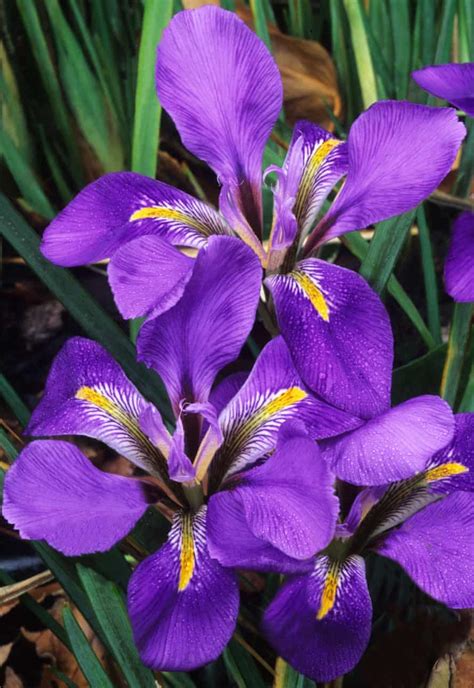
[183, 605]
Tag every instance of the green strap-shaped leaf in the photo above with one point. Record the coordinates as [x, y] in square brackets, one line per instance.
[86, 657]
[108, 603]
[241, 666]
[14, 402]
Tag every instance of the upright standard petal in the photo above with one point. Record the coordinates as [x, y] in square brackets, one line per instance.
[398, 154]
[88, 394]
[435, 547]
[205, 331]
[122, 206]
[222, 87]
[53, 493]
[459, 266]
[288, 501]
[452, 82]
[320, 623]
[338, 333]
[394, 445]
[272, 395]
[315, 162]
[183, 605]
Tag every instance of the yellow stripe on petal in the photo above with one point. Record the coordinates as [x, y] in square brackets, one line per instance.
[171, 214]
[314, 294]
[307, 180]
[328, 597]
[186, 560]
[445, 470]
[98, 399]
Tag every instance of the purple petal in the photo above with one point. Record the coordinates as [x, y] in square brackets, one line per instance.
[314, 164]
[399, 153]
[452, 82]
[321, 648]
[272, 394]
[459, 266]
[221, 86]
[288, 501]
[182, 604]
[148, 276]
[232, 542]
[180, 467]
[123, 206]
[338, 333]
[453, 467]
[88, 394]
[53, 493]
[205, 331]
[394, 445]
[226, 390]
[435, 547]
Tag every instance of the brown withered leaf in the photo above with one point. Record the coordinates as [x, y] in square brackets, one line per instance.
[12, 680]
[307, 71]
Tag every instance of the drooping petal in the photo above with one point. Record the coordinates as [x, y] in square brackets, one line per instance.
[435, 547]
[320, 623]
[53, 493]
[338, 333]
[148, 276]
[272, 394]
[232, 543]
[88, 394]
[453, 467]
[288, 501]
[399, 153]
[206, 329]
[220, 84]
[183, 605]
[394, 445]
[315, 162]
[452, 82]
[122, 206]
[459, 266]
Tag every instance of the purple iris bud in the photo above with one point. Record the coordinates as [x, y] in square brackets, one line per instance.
[320, 620]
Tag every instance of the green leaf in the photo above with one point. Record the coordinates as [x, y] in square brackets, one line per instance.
[384, 250]
[241, 666]
[429, 276]
[7, 445]
[39, 45]
[359, 247]
[363, 57]
[287, 677]
[86, 657]
[108, 603]
[399, 12]
[13, 401]
[82, 307]
[260, 21]
[146, 126]
[178, 679]
[25, 178]
[457, 347]
[421, 376]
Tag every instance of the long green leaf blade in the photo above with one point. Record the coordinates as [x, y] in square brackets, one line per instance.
[146, 127]
[109, 606]
[86, 657]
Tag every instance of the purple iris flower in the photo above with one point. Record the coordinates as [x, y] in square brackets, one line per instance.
[241, 476]
[451, 82]
[455, 83]
[320, 620]
[223, 90]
